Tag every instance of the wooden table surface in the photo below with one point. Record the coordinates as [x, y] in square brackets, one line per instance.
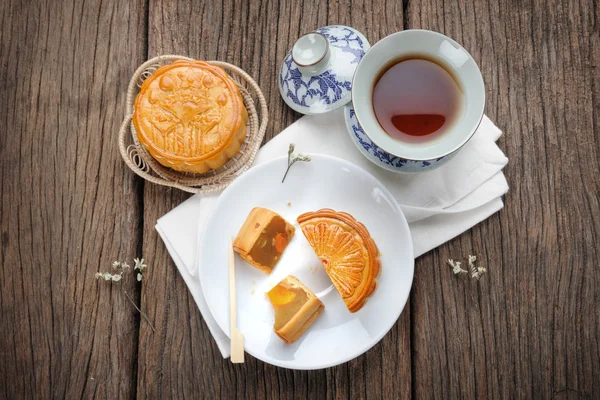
[69, 207]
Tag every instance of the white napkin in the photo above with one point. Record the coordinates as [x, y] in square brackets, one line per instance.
[438, 204]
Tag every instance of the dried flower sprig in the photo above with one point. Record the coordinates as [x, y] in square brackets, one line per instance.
[456, 268]
[292, 158]
[139, 265]
[474, 272]
[121, 269]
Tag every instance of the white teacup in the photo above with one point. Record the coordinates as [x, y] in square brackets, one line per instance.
[447, 53]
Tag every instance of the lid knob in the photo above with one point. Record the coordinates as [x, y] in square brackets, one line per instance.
[310, 51]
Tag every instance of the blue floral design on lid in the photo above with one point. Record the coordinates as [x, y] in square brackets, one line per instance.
[329, 88]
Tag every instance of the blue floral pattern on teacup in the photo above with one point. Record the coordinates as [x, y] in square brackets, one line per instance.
[378, 156]
[331, 88]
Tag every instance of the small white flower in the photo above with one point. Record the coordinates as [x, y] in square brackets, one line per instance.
[292, 158]
[122, 268]
[474, 271]
[456, 269]
[478, 272]
[139, 264]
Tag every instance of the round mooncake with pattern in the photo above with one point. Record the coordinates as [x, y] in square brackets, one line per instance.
[190, 116]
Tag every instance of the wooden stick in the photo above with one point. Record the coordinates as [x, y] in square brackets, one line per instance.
[237, 339]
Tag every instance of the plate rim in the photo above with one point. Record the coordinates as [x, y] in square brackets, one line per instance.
[376, 339]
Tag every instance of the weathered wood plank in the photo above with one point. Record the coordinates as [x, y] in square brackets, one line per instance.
[531, 327]
[68, 205]
[182, 360]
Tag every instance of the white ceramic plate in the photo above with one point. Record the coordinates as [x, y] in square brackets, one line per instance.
[338, 335]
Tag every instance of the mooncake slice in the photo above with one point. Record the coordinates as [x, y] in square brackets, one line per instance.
[347, 252]
[263, 238]
[296, 308]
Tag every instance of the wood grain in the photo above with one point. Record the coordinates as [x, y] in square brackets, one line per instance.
[183, 360]
[68, 205]
[530, 329]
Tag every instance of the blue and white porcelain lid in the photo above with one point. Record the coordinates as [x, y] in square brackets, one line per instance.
[316, 75]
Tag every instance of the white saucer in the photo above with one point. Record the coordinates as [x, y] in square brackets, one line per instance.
[338, 335]
[382, 159]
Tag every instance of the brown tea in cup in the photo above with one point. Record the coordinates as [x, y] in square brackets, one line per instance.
[416, 99]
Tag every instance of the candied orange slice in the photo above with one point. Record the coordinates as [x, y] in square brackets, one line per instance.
[347, 252]
[280, 296]
[281, 241]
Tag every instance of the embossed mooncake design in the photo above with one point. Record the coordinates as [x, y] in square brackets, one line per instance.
[190, 116]
[347, 252]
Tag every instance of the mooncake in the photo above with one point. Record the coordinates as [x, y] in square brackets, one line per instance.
[346, 250]
[262, 238]
[296, 308]
[190, 116]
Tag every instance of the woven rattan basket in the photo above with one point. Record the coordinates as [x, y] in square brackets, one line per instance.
[141, 162]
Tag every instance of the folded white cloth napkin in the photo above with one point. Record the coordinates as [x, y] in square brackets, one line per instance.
[438, 204]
